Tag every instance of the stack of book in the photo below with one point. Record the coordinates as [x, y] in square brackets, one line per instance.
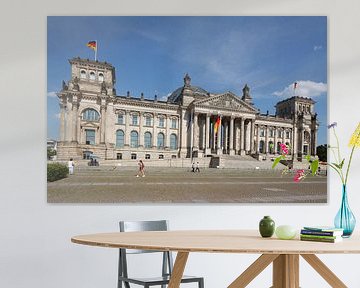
[321, 234]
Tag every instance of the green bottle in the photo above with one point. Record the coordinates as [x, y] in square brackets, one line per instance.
[266, 227]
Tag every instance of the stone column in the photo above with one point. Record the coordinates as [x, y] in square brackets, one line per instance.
[252, 136]
[167, 137]
[102, 124]
[62, 122]
[127, 128]
[74, 121]
[154, 138]
[207, 135]
[68, 117]
[267, 140]
[182, 135]
[258, 140]
[231, 151]
[219, 150]
[141, 134]
[226, 135]
[196, 133]
[275, 140]
[295, 143]
[247, 136]
[283, 136]
[315, 141]
[214, 144]
[242, 137]
[203, 137]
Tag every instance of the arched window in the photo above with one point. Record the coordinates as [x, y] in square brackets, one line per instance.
[148, 120]
[147, 140]
[101, 77]
[160, 141]
[135, 119]
[92, 75]
[134, 139]
[174, 123]
[173, 142]
[90, 115]
[121, 119]
[83, 74]
[119, 138]
[161, 122]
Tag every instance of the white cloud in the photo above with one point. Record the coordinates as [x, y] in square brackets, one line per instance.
[319, 47]
[51, 94]
[304, 88]
[165, 97]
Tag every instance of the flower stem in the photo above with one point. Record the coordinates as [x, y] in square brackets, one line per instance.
[351, 155]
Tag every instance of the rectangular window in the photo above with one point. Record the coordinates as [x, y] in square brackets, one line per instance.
[121, 119]
[162, 122]
[118, 156]
[147, 121]
[133, 156]
[280, 133]
[287, 134]
[262, 132]
[135, 120]
[90, 136]
[173, 123]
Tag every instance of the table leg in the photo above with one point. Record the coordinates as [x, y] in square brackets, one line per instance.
[286, 271]
[253, 270]
[178, 270]
[324, 271]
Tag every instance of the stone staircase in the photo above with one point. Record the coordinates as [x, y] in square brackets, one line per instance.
[242, 162]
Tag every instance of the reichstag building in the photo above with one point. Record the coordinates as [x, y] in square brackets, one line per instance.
[96, 121]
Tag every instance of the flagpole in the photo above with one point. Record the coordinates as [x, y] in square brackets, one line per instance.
[96, 48]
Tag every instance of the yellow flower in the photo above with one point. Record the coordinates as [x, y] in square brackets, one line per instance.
[355, 138]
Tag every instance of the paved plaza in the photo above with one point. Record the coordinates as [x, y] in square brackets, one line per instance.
[180, 185]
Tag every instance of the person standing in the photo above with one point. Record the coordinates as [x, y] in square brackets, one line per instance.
[71, 166]
[197, 167]
[141, 169]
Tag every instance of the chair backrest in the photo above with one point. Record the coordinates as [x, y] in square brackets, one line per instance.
[134, 226]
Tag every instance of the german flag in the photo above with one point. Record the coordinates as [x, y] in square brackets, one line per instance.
[92, 45]
[217, 124]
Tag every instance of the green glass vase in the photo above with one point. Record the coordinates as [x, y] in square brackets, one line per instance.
[266, 227]
[345, 219]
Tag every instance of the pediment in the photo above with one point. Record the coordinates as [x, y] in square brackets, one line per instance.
[226, 101]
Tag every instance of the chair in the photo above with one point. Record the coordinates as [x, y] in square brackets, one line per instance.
[167, 262]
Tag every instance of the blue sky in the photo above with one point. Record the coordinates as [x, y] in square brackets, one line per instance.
[152, 55]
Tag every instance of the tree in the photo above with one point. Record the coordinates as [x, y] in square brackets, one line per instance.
[321, 152]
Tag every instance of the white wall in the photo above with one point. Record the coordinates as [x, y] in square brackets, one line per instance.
[35, 248]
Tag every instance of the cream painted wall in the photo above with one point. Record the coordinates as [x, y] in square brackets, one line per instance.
[35, 248]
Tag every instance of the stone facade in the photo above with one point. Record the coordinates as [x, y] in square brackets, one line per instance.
[96, 121]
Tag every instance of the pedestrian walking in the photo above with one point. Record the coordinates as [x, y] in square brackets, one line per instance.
[193, 167]
[141, 169]
[71, 166]
[197, 167]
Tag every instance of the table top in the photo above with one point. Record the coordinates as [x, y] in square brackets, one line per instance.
[216, 241]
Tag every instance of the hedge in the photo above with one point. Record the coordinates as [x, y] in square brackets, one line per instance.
[56, 171]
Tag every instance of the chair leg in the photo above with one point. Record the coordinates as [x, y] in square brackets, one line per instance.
[201, 283]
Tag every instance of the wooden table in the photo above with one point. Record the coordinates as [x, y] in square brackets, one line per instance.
[284, 254]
